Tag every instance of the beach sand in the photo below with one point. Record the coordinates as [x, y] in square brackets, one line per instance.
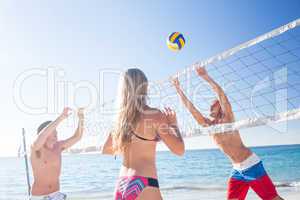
[286, 193]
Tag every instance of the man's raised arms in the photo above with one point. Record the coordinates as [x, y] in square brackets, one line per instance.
[65, 144]
[189, 105]
[224, 102]
[48, 130]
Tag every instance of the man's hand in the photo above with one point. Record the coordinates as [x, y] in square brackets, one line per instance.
[66, 112]
[175, 82]
[80, 113]
[201, 71]
[65, 144]
[224, 102]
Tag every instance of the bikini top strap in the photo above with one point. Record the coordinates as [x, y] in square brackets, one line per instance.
[157, 138]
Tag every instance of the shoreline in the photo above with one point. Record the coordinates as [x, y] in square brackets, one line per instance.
[182, 194]
[290, 194]
[164, 150]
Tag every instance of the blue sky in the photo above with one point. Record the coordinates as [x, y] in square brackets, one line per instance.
[83, 37]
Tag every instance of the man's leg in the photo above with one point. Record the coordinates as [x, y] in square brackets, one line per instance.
[264, 187]
[237, 189]
[278, 198]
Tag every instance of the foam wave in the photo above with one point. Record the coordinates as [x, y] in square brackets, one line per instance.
[288, 184]
[193, 188]
[220, 188]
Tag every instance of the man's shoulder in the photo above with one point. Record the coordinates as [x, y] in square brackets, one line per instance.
[59, 146]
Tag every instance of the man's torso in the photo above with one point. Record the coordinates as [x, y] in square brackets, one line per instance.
[231, 143]
[46, 165]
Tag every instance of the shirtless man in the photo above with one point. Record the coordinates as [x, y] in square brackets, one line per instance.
[46, 157]
[248, 170]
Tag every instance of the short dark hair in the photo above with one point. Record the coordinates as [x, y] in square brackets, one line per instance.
[42, 126]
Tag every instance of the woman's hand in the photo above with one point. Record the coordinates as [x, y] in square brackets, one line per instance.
[171, 116]
[170, 133]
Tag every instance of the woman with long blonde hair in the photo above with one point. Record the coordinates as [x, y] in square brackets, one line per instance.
[135, 136]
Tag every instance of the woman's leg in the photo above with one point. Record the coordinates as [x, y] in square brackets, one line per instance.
[150, 193]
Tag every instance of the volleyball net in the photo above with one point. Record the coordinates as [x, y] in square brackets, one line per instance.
[261, 78]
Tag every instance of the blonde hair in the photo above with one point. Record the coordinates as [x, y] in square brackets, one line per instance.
[132, 101]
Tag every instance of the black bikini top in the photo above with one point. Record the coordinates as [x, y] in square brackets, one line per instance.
[156, 139]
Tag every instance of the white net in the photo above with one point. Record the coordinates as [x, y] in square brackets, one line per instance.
[261, 78]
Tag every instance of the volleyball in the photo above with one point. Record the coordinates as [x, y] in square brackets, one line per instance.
[175, 41]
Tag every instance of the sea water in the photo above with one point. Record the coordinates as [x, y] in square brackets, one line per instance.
[201, 172]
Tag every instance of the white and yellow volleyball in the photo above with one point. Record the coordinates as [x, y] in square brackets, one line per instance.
[175, 41]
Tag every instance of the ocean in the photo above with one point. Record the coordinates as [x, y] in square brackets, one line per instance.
[200, 174]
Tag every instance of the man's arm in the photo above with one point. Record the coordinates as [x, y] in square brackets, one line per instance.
[189, 105]
[65, 144]
[224, 102]
[47, 131]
